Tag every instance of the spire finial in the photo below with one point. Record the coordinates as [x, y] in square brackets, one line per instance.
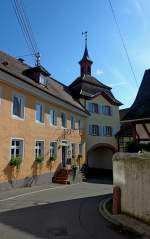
[85, 34]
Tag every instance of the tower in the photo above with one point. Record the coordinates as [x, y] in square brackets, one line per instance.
[85, 62]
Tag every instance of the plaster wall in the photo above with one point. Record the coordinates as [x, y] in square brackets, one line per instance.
[30, 131]
[131, 173]
[103, 120]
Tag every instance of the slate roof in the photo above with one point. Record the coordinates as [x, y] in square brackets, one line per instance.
[141, 107]
[89, 87]
[123, 112]
[14, 67]
[86, 56]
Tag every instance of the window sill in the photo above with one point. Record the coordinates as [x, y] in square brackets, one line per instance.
[17, 117]
[54, 126]
[38, 122]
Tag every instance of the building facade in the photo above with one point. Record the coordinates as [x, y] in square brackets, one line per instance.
[40, 124]
[103, 122]
[137, 117]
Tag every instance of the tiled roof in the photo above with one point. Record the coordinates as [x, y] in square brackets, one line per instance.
[141, 106]
[90, 87]
[125, 130]
[16, 68]
[123, 112]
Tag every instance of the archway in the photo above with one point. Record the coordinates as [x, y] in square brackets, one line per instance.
[100, 156]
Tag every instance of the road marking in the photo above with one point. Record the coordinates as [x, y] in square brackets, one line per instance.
[34, 192]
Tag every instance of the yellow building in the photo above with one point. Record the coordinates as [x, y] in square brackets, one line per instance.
[103, 122]
[40, 125]
[46, 126]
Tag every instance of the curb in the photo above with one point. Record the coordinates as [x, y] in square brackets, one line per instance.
[109, 217]
[104, 212]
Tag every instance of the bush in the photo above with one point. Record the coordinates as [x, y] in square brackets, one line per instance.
[15, 161]
[39, 159]
[52, 158]
[134, 147]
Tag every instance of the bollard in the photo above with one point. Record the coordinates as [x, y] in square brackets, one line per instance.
[116, 200]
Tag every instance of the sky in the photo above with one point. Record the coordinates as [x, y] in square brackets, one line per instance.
[58, 27]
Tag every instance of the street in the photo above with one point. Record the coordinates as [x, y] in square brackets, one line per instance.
[57, 212]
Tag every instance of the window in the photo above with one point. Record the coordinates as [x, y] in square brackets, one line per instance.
[53, 117]
[17, 148]
[39, 113]
[53, 149]
[94, 130]
[106, 110]
[93, 108]
[72, 122]
[18, 106]
[107, 131]
[63, 120]
[89, 70]
[81, 149]
[79, 124]
[42, 80]
[73, 150]
[39, 149]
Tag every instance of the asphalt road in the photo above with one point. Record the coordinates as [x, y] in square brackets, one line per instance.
[64, 212]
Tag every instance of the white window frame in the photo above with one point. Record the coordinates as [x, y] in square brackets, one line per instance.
[50, 148]
[15, 94]
[72, 117]
[37, 121]
[79, 124]
[81, 148]
[105, 133]
[92, 132]
[105, 110]
[92, 107]
[55, 118]
[17, 139]
[42, 80]
[65, 120]
[73, 149]
[39, 140]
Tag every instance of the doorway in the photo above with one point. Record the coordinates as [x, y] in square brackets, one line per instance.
[64, 156]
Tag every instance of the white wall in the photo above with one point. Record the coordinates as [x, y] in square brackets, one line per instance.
[131, 172]
[103, 120]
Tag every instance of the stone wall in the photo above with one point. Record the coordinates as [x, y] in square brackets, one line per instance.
[131, 172]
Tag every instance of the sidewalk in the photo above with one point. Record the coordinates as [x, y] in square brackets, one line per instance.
[123, 221]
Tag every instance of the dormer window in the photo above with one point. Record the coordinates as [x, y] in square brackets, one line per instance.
[42, 80]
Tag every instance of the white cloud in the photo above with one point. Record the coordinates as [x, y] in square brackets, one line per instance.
[99, 72]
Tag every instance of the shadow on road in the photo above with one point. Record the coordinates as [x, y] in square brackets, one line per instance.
[72, 219]
[100, 176]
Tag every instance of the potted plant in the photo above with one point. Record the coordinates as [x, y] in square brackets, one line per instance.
[15, 162]
[52, 158]
[39, 159]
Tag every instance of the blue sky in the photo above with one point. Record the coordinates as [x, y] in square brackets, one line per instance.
[58, 26]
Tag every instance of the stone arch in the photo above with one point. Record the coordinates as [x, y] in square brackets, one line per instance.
[100, 156]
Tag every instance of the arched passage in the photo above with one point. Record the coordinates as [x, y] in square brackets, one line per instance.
[100, 156]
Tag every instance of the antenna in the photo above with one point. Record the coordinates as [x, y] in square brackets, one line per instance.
[37, 59]
[25, 25]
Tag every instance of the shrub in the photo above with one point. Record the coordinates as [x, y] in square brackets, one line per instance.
[134, 147]
[39, 159]
[15, 161]
[52, 158]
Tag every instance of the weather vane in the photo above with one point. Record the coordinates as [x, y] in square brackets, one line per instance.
[85, 34]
